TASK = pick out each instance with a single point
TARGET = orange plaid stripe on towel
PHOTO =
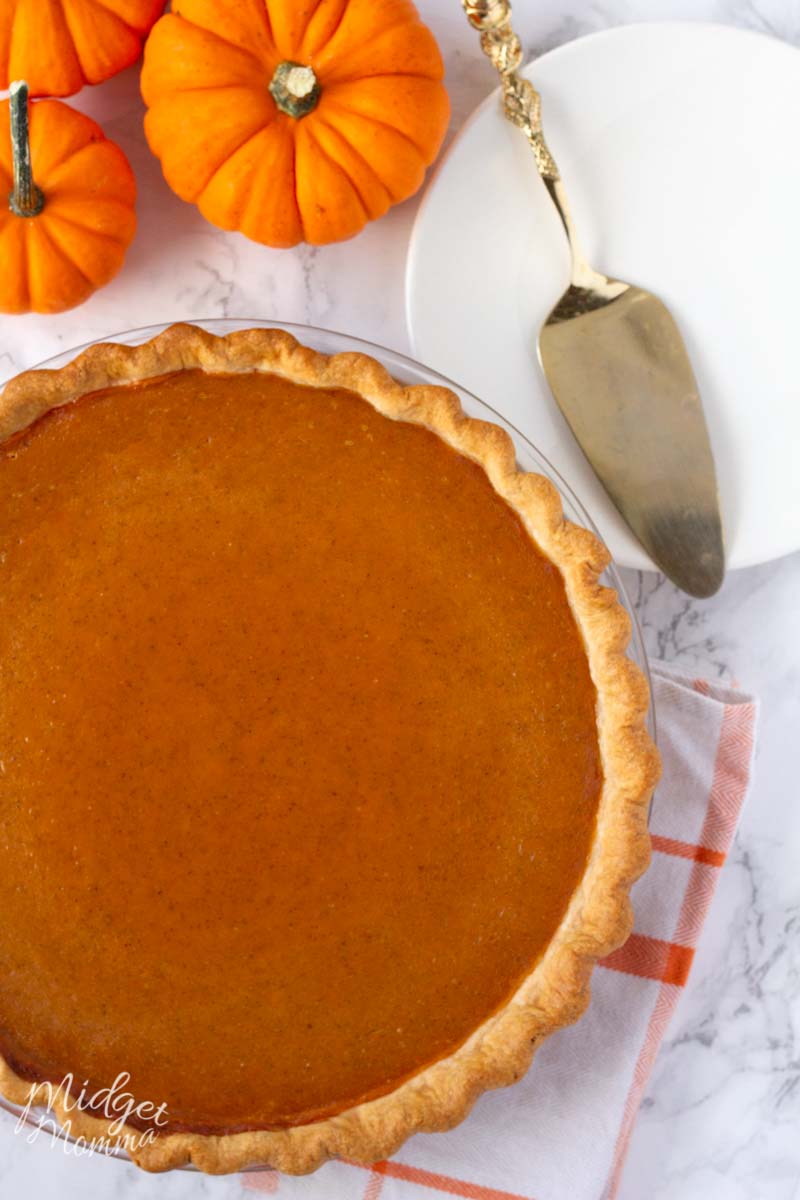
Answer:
(563, 1132)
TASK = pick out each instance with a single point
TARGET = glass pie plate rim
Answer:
(407, 370)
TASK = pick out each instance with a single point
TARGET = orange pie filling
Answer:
(298, 754)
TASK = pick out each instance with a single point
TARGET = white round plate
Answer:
(678, 147)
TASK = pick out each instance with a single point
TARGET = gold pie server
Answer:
(619, 371)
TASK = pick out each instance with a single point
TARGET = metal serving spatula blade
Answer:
(619, 371)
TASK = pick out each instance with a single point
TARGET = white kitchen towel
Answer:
(562, 1132)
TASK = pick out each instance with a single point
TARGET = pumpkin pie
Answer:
(323, 773)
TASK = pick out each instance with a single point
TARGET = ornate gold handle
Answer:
(521, 102)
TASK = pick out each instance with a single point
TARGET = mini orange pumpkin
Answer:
(60, 45)
(293, 121)
(64, 237)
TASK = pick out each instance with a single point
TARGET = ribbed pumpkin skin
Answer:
(57, 46)
(226, 146)
(77, 243)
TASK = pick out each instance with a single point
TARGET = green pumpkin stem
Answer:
(26, 200)
(295, 89)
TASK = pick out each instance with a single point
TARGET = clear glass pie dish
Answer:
(409, 372)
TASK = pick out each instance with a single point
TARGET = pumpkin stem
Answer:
(26, 200)
(295, 89)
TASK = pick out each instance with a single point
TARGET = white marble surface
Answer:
(722, 1112)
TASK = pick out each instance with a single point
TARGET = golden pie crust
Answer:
(598, 917)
